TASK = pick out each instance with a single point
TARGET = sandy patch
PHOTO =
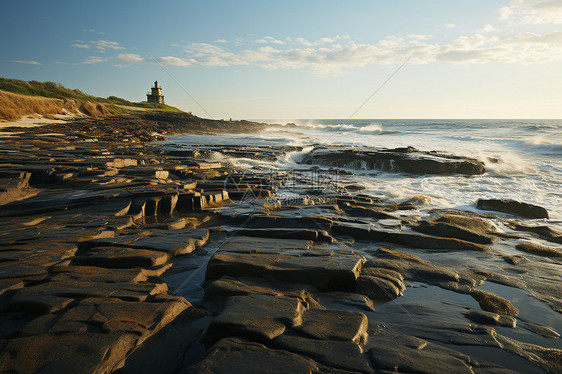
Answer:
(37, 120)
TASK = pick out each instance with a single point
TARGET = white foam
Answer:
(373, 127)
(507, 163)
(540, 144)
(522, 163)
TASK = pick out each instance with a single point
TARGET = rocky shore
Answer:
(122, 255)
(142, 125)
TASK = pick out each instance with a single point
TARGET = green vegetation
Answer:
(58, 91)
(46, 89)
(119, 101)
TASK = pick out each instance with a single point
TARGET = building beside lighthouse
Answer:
(155, 96)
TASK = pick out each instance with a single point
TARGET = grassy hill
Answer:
(56, 90)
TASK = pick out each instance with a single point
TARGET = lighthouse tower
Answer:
(156, 95)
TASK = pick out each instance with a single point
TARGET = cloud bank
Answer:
(536, 12)
(329, 55)
(339, 53)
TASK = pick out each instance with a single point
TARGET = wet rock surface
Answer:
(137, 257)
(405, 160)
(513, 207)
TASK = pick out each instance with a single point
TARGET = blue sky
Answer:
(299, 59)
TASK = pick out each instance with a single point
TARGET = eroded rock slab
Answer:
(255, 317)
(227, 286)
(34, 298)
(413, 268)
(121, 257)
(174, 244)
(335, 325)
(303, 234)
(343, 355)
(489, 318)
(464, 228)
(325, 272)
(238, 356)
(538, 250)
(93, 337)
(406, 354)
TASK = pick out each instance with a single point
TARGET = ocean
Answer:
(523, 157)
(523, 160)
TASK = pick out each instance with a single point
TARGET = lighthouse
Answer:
(155, 96)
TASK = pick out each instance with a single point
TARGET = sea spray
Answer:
(522, 158)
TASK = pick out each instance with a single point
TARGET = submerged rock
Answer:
(541, 330)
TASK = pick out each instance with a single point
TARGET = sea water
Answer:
(523, 157)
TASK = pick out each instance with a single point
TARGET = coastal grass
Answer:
(56, 90)
(45, 89)
(14, 106)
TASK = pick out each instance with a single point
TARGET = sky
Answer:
(298, 59)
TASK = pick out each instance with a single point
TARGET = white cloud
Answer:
(487, 28)
(81, 45)
(31, 62)
(102, 45)
(130, 58)
(268, 40)
(553, 39)
(533, 12)
(220, 41)
(525, 48)
(335, 57)
(95, 60)
(94, 31)
(325, 40)
(450, 25)
(303, 41)
(173, 61)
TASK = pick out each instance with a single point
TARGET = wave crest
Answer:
(540, 144)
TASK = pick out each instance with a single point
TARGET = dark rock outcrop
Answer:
(401, 160)
(513, 207)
